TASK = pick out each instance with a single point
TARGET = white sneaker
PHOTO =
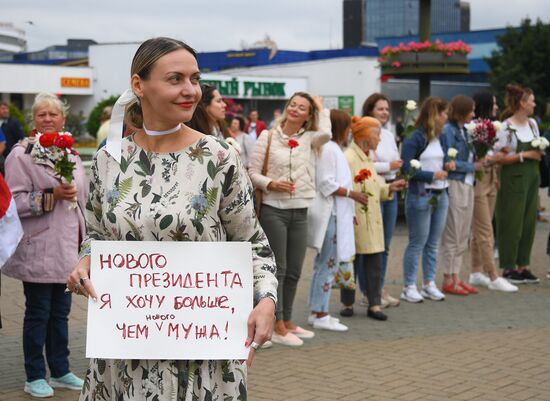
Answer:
(431, 291)
(479, 279)
(326, 323)
(311, 318)
(411, 294)
(501, 284)
(266, 345)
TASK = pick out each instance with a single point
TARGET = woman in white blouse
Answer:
(387, 163)
(516, 209)
(330, 226)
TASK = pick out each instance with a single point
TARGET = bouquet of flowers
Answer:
(362, 176)
(540, 143)
(56, 147)
(483, 136)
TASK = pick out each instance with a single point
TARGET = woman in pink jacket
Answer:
(48, 251)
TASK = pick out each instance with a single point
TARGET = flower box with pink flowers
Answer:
(416, 58)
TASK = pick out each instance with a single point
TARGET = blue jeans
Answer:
(389, 218)
(324, 269)
(46, 321)
(425, 227)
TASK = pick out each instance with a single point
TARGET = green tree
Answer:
(19, 116)
(95, 114)
(522, 58)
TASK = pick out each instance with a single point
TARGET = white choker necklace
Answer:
(160, 133)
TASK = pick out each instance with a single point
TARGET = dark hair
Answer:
(460, 107)
(143, 62)
(340, 123)
(429, 113)
(514, 95)
(4, 103)
(370, 103)
(484, 101)
(241, 122)
(313, 123)
(200, 120)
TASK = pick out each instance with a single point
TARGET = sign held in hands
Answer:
(170, 300)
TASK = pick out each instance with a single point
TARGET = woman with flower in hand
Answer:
(426, 202)
(48, 251)
(387, 163)
(330, 225)
(288, 185)
(156, 187)
(369, 231)
(454, 241)
(485, 196)
(516, 209)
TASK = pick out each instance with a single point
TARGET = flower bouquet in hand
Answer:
(483, 136)
(360, 178)
(540, 143)
(415, 166)
(56, 147)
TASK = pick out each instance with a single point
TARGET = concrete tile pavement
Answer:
(491, 346)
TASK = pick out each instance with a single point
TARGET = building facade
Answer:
(385, 18)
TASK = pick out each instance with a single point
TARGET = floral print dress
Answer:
(199, 194)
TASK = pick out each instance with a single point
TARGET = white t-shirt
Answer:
(525, 133)
(432, 159)
(385, 153)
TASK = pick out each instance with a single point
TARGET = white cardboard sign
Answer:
(170, 300)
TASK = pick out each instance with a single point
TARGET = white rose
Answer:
(497, 125)
(470, 127)
(544, 143)
(416, 164)
(452, 153)
(536, 143)
(411, 105)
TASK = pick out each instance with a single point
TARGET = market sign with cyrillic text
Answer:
(255, 87)
(170, 300)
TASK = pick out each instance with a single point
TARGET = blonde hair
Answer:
(312, 124)
(48, 99)
(428, 117)
(143, 62)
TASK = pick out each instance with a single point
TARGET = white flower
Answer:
(543, 143)
(232, 142)
(452, 153)
(411, 105)
(470, 127)
(535, 143)
(497, 125)
(416, 164)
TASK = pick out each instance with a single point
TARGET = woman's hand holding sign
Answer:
(260, 326)
(79, 280)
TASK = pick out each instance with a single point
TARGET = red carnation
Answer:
(64, 141)
(293, 143)
(48, 139)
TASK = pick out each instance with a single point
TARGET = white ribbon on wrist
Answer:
(114, 139)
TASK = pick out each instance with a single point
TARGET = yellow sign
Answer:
(68, 82)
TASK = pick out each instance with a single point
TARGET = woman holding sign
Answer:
(157, 187)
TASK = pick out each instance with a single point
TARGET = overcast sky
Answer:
(218, 25)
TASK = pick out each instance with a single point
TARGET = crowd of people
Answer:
(314, 178)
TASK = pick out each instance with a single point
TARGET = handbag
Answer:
(259, 193)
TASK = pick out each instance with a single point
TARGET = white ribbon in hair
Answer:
(114, 139)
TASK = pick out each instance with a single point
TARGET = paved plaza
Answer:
(488, 347)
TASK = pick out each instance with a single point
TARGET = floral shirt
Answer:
(201, 193)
